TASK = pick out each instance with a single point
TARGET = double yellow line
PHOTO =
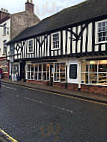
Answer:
(7, 136)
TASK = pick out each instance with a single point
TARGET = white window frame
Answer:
(4, 47)
(97, 73)
(59, 72)
(101, 32)
(52, 47)
(32, 46)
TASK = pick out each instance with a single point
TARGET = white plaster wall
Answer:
(72, 61)
(4, 37)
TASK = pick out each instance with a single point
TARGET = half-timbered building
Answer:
(68, 49)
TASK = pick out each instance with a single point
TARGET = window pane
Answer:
(32, 75)
(44, 67)
(28, 69)
(93, 68)
(56, 76)
(84, 78)
(32, 68)
(62, 77)
(28, 75)
(40, 76)
(93, 78)
(36, 68)
(102, 68)
(44, 76)
(35, 76)
(102, 77)
(40, 67)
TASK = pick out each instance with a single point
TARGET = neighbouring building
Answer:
(67, 50)
(10, 26)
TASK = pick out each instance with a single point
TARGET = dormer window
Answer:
(102, 31)
(56, 41)
(30, 46)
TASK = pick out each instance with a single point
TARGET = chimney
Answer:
(3, 13)
(29, 6)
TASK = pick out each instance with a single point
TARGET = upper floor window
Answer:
(5, 47)
(102, 31)
(55, 40)
(30, 44)
(4, 29)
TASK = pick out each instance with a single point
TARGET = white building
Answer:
(10, 26)
(4, 38)
(68, 49)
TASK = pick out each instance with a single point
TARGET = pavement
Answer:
(77, 94)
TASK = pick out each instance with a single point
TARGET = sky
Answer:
(43, 8)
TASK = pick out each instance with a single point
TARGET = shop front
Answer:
(46, 73)
(94, 76)
(4, 67)
(63, 73)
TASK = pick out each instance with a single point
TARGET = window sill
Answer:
(30, 52)
(102, 42)
(55, 49)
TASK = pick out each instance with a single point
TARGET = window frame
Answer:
(32, 46)
(101, 31)
(4, 47)
(53, 42)
(95, 73)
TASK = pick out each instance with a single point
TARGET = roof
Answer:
(69, 16)
(4, 19)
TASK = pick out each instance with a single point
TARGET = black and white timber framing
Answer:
(75, 40)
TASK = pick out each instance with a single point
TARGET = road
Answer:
(30, 115)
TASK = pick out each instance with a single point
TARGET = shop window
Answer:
(96, 74)
(102, 31)
(56, 41)
(60, 72)
(32, 72)
(36, 72)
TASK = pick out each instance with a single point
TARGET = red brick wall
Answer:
(38, 82)
(101, 90)
(70, 86)
(73, 86)
(59, 85)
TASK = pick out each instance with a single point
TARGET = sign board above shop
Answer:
(73, 71)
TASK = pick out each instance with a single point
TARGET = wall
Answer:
(87, 43)
(4, 37)
(98, 90)
(22, 20)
